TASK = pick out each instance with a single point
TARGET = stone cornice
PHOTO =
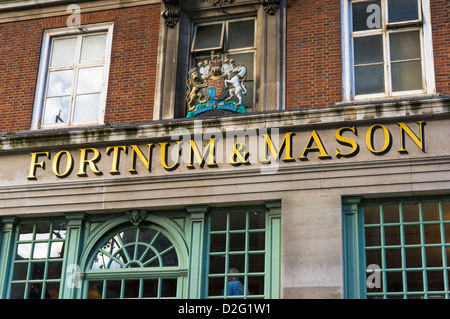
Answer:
(402, 110)
(11, 11)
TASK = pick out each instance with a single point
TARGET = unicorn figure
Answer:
(237, 81)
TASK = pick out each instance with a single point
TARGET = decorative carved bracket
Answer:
(171, 13)
(219, 2)
(136, 216)
(172, 9)
(270, 6)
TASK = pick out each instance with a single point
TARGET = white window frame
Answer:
(41, 85)
(428, 78)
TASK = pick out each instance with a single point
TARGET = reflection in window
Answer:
(147, 253)
(38, 262)
(75, 80)
(409, 242)
(387, 47)
(237, 254)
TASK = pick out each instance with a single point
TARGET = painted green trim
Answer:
(8, 225)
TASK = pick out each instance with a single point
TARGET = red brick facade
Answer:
(132, 73)
(314, 62)
(440, 21)
(313, 46)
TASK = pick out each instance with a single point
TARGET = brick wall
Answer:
(132, 73)
(314, 70)
(440, 21)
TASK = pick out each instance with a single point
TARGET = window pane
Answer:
(256, 262)
(208, 37)
(430, 211)
(368, 49)
(393, 258)
(17, 291)
(432, 234)
(394, 281)
(54, 270)
(405, 45)
(216, 265)
(215, 286)
(410, 212)
(131, 289)
(59, 230)
(219, 222)
(366, 15)
(93, 48)
(237, 242)
(256, 220)
(402, 10)
(373, 236)
(64, 52)
(218, 242)
(150, 289)
(42, 231)
(170, 258)
(256, 241)
(40, 251)
(414, 281)
(35, 291)
(60, 83)
(241, 34)
(57, 110)
(392, 235)
(113, 289)
(26, 232)
(246, 59)
(412, 234)
(238, 220)
(435, 280)
(86, 108)
(434, 256)
(371, 215)
(52, 290)
(168, 287)
(256, 285)
(90, 80)
(373, 257)
(237, 262)
(37, 270)
(23, 251)
(407, 76)
(369, 79)
(162, 243)
(391, 214)
(95, 290)
(20, 271)
(413, 257)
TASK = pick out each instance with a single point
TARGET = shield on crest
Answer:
(216, 88)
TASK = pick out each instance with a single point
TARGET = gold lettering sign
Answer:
(377, 140)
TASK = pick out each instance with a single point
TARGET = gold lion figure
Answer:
(194, 91)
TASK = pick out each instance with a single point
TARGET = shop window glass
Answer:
(237, 255)
(149, 255)
(37, 268)
(405, 249)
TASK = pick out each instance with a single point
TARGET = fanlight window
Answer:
(138, 247)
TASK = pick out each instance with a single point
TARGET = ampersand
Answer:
(239, 154)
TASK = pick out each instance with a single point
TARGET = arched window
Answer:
(134, 262)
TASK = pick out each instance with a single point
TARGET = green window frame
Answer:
(139, 262)
(66, 254)
(397, 248)
(38, 260)
(244, 246)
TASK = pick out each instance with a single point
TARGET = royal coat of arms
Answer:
(216, 84)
